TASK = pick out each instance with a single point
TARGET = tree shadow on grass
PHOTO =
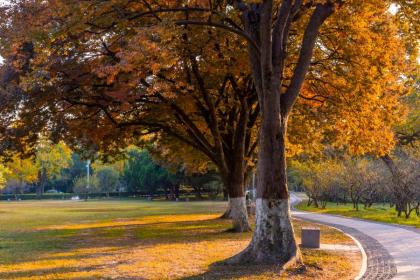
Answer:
(222, 271)
(52, 272)
(136, 251)
(79, 251)
(43, 244)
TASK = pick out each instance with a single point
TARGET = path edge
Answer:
(363, 267)
(364, 256)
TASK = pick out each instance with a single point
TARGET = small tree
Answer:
(362, 181)
(22, 172)
(80, 185)
(320, 180)
(50, 160)
(3, 171)
(404, 186)
(77, 168)
(108, 179)
(142, 174)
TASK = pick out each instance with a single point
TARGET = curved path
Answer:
(393, 252)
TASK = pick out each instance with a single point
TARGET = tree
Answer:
(144, 175)
(3, 172)
(320, 179)
(22, 171)
(107, 179)
(199, 182)
(402, 162)
(403, 185)
(282, 40)
(80, 185)
(77, 168)
(51, 160)
(189, 117)
(361, 179)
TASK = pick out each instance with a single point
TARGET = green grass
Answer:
(378, 212)
(138, 240)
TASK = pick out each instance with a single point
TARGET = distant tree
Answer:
(51, 160)
(214, 188)
(64, 181)
(203, 182)
(22, 172)
(142, 174)
(3, 172)
(320, 180)
(80, 186)
(108, 179)
(404, 186)
(362, 180)
(403, 163)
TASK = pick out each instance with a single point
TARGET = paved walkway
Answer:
(393, 252)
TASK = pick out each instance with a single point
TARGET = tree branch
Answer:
(222, 26)
(321, 13)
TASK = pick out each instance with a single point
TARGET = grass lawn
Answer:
(378, 212)
(141, 240)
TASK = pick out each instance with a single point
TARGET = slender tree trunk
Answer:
(167, 192)
(42, 178)
(309, 201)
(177, 191)
(38, 186)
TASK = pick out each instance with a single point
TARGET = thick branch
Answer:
(279, 33)
(222, 26)
(321, 13)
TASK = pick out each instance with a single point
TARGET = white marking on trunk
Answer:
(239, 214)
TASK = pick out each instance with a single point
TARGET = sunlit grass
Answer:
(378, 212)
(140, 240)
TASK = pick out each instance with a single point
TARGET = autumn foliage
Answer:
(226, 84)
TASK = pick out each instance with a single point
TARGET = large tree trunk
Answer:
(273, 240)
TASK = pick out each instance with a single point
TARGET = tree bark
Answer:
(42, 177)
(239, 214)
(273, 241)
(237, 202)
(235, 172)
(227, 213)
